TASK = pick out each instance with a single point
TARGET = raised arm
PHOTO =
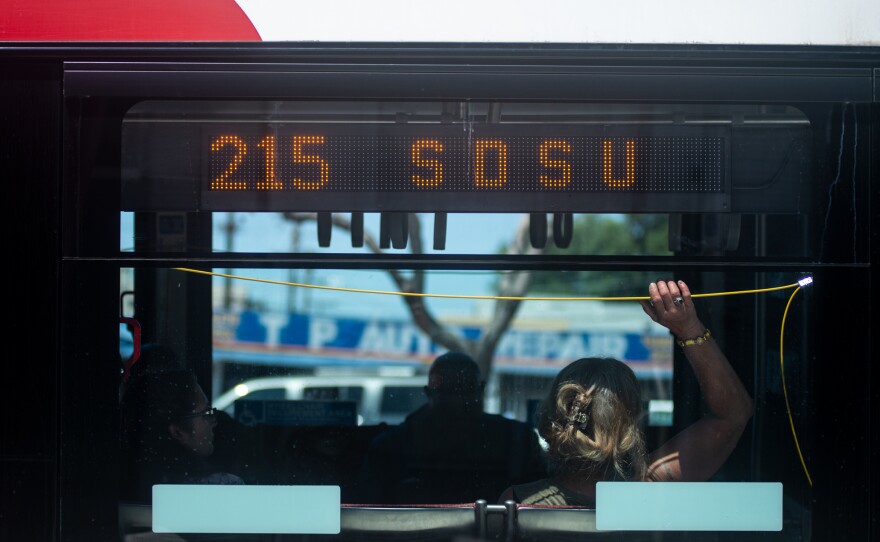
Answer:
(698, 452)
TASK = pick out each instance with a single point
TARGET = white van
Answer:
(379, 398)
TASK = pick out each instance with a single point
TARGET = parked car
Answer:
(379, 398)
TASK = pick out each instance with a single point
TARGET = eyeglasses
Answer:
(207, 412)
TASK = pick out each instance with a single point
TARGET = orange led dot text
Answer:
(608, 175)
(269, 181)
(300, 158)
(562, 168)
(482, 146)
(222, 182)
(434, 164)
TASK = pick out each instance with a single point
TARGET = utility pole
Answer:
(229, 229)
(293, 274)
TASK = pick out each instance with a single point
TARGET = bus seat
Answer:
(426, 523)
(415, 523)
(538, 523)
(544, 523)
(136, 525)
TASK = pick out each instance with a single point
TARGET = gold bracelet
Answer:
(704, 338)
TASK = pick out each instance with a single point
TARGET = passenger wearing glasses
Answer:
(168, 433)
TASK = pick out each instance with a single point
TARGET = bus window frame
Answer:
(87, 276)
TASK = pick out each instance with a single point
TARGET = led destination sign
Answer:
(425, 167)
(310, 159)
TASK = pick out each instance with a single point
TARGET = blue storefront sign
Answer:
(402, 340)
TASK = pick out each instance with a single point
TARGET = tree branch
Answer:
(513, 284)
(422, 317)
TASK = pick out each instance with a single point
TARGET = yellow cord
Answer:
(796, 286)
(785, 388)
(461, 296)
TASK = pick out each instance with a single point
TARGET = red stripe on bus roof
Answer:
(132, 20)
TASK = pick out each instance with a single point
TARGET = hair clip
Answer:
(579, 418)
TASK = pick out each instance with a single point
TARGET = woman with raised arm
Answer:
(591, 419)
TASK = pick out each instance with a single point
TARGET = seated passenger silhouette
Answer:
(449, 450)
(167, 433)
(591, 418)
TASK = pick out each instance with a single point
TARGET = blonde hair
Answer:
(590, 421)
